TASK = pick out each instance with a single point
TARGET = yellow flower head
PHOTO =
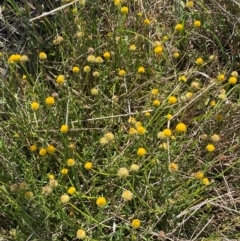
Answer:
(181, 127)
(210, 148)
(215, 138)
(167, 132)
(50, 149)
(109, 136)
(146, 21)
(60, 79)
(179, 27)
(141, 151)
(127, 195)
(141, 130)
(123, 172)
(169, 116)
(141, 70)
(122, 72)
(136, 223)
(88, 166)
(232, 80)
(71, 190)
(81, 234)
(33, 148)
(86, 69)
(64, 171)
(35, 105)
(50, 176)
(199, 61)
(189, 4)
(132, 131)
(134, 168)
(43, 152)
(49, 101)
(75, 69)
(132, 47)
(176, 55)
(101, 201)
(94, 91)
(107, 55)
(199, 175)
(28, 195)
(99, 60)
(172, 167)
(64, 129)
(182, 78)
(24, 58)
(205, 181)
(42, 56)
(156, 103)
(131, 120)
(158, 50)
(124, 10)
(70, 162)
(64, 198)
(172, 100)
(154, 91)
(221, 77)
(14, 58)
(197, 24)
(103, 141)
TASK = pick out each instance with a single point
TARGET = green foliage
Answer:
(112, 76)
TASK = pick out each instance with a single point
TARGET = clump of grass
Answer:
(119, 121)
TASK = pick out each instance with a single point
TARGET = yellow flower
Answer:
(176, 55)
(234, 74)
(50, 149)
(71, 190)
(210, 148)
(131, 120)
(154, 91)
(146, 21)
(167, 132)
(182, 78)
(42, 152)
(24, 58)
(141, 70)
(64, 129)
(75, 69)
(51, 176)
(64, 171)
(213, 103)
(28, 195)
(64, 198)
(199, 175)
(101, 201)
(134, 168)
(123, 172)
(221, 77)
(172, 167)
(71, 146)
(169, 116)
(91, 58)
(88, 166)
(189, 4)
(215, 138)
(58, 39)
(33, 148)
(60, 79)
(132, 47)
(205, 181)
(232, 80)
(86, 69)
(136, 223)
(189, 95)
(103, 141)
(124, 10)
(50, 101)
(35, 105)
(181, 127)
(197, 24)
(147, 114)
(172, 100)
(158, 50)
(132, 131)
(53, 183)
(199, 61)
(70, 162)
(127, 195)
(109, 136)
(163, 146)
(42, 56)
(99, 60)
(141, 130)
(14, 58)
(156, 103)
(141, 151)
(96, 74)
(179, 27)
(94, 91)
(117, 2)
(107, 55)
(160, 135)
(81, 234)
(122, 72)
